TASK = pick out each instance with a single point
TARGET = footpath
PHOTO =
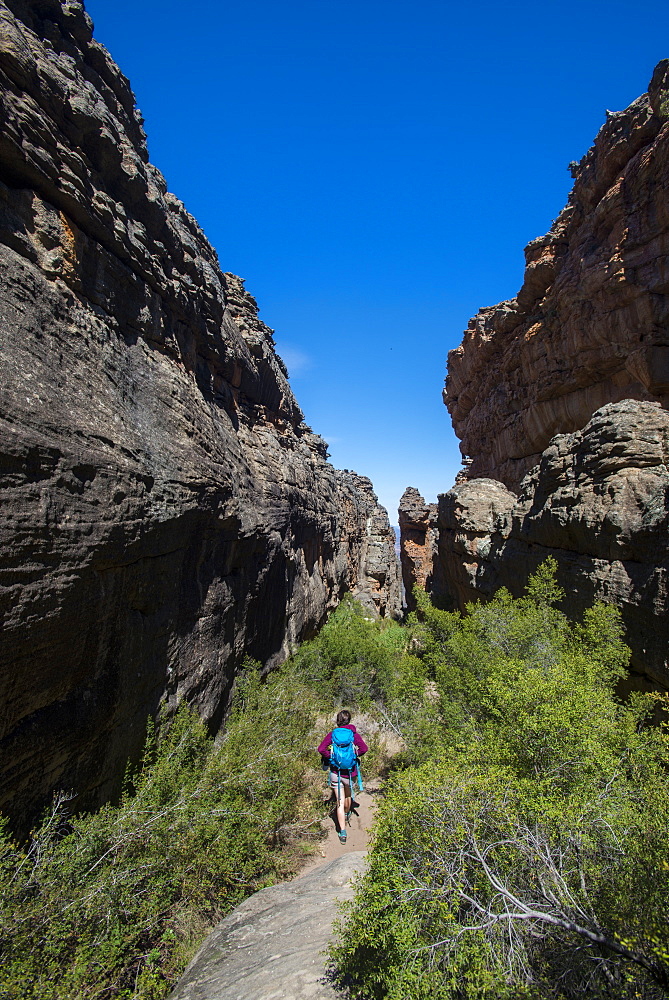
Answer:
(271, 947)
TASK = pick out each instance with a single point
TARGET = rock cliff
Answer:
(590, 325)
(166, 510)
(559, 397)
(369, 541)
(598, 502)
(418, 543)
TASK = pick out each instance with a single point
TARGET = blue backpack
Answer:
(342, 755)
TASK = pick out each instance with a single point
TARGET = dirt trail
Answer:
(357, 834)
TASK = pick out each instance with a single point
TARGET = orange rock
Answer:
(590, 324)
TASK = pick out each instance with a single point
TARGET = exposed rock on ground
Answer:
(599, 503)
(590, 325)
(166, 510)
(271, 946)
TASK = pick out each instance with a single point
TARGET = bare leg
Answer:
(343, 804)
(341, 813)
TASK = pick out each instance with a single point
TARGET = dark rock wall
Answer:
(165, 508)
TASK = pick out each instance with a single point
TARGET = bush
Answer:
(363, 663)
(524, 851)
(113, 904)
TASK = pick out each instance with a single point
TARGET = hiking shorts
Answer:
(340, 780)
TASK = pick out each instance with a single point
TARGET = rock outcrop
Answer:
(559, 397)
(590, 325)
(599, 503)
(166, 510)
(418, 543)
(369, 541)
(273, 944)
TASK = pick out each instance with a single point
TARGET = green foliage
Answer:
(112, 904)
(358, 654)
(361, 662)
(523, 853)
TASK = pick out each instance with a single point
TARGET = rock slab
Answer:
(271, 946)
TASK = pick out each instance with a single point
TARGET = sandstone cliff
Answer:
(599, 503)
(590, 325)
(559, 399)
(418, 543)
(369, 542)
(165, 508)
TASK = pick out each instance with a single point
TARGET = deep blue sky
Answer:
(373, 169)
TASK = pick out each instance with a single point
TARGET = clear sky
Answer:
(373, 169)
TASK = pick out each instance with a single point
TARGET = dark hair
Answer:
(343, 717)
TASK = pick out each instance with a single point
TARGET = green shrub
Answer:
(524, 851)
(364, 664)
(112, 904)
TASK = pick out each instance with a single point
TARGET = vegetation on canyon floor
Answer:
(520, 849)
(114, 904)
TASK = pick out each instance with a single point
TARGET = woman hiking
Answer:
(338, 745)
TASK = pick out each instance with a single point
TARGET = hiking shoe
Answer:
(342, 836)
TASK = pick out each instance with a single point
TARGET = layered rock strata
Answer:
(369, 542)
(166, 510)
(559, 397)
(590, 325)
(418, 543)
(598, 501)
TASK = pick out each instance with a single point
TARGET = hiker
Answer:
(340, 751)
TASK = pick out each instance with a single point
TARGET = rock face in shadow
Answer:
(272, 945)
(370, 543)
(590, 325)
(166, 510)
(599, 503)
